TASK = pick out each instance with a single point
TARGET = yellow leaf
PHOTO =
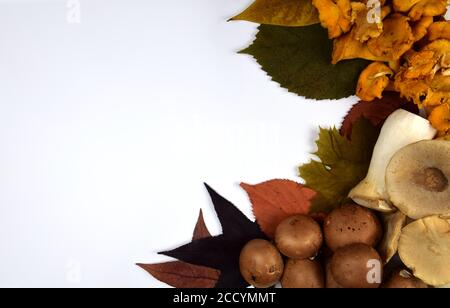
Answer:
(292, 13)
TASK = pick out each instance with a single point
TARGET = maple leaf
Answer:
(222, 252)
(292, 13)
(275, 200)
(376, 111)
(342, 164)
(180, 274)
(299, 59)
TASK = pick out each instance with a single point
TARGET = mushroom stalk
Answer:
(400, 129)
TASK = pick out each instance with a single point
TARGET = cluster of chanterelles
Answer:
(409, 42)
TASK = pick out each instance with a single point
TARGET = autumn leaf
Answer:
(299, 59)
(376, 111)
(222, 252)
(184, 275)
(292, 13)
(276, 200)
(200, 230)
(342, 164)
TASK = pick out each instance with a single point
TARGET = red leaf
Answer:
(275, 200)
(183, 275)
(376, 111)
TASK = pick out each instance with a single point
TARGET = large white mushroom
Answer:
(417, 179)
(400, 129)
(424, 247)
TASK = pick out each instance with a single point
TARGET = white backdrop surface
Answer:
(109, 127)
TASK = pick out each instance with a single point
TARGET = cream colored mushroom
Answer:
(417, 179)
(424, 247)
(393, 225)
(400, 129)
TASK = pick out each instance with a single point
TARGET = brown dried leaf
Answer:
(183, 275)
(200, 230)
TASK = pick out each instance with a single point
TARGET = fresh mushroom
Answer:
(424, 248)
(393, 224)
(400, 129)
(417, 179)
(373, 80)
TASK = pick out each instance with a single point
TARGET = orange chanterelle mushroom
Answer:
(408, 43)
(334, 15)
(373, 80)
(440, 119)
(416, 9)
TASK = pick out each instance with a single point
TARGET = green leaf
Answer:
(292, 13)
(299, 59)
(342, 165)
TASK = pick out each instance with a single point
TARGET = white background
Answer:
(108, 128)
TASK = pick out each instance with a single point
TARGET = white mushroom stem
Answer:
(400, 129)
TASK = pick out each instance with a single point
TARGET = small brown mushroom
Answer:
(303, 274)
(330, 282)
(373, 81)
(261, 264)
(417, 179)
(424, 248)
(299, 237)
(357, 266)
(351, 224)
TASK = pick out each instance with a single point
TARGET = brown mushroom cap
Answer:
(417, 179)
(303, 274)
(351, 266)
(261, 264)
(299, 237)
(330, 282)
(351, 224)
(424, 247)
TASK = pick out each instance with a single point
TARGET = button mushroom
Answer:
(400, 129)
(417, 179)
(373, 80)
(424, 248)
